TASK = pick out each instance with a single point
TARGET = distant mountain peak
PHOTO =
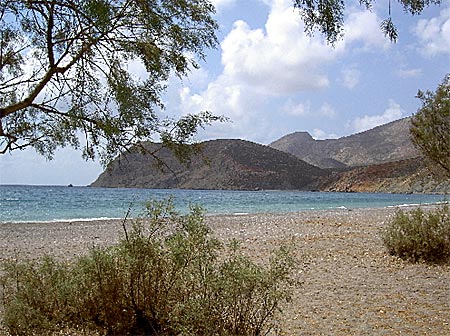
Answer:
(300, 135)
(385, 143)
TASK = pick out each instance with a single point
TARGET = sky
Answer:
(271, 79)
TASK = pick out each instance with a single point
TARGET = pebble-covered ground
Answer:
(349, 285)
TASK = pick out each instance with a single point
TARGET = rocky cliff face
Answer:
(222, 164)
(404, 176)
(382, 144)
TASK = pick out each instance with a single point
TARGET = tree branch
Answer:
(50, 25)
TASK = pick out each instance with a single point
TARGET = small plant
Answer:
(419, 235)
(165, 277)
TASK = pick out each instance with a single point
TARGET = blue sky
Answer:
(271, 79)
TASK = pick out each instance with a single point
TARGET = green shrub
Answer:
(36, 294)
(419, 235)
(165, 277)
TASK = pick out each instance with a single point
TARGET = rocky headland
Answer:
(379, 160)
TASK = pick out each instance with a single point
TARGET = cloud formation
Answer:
(350, 77)
(393, 112)
(269, 71)
(319, 134)
(409, 73)
(363, 26)
(279, 59)
(434, 33)
(259, 65)
(304, 109)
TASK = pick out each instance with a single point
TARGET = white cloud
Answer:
(137, 69)
(220, 97)
(434, 33)
(240, 103)
(350, 77)
(326, 110)
(393, 112)
(296, 109)
(304, 110)
(282, 59)
(261, 65)
(364, 26)
(319, 134)
(279, 59)
(258, 65)
(409, 73)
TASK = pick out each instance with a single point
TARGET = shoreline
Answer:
(68, 238)
(350, 285)
(207, 215)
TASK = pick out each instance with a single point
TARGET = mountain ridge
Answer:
(384, 143)
(222, 164)
(379, 160)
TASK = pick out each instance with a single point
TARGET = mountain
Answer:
(379, 160)
(386, 143)
(222, 164)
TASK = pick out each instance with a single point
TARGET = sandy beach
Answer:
(349, 284)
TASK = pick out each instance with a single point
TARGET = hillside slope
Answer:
(404, 176)
(379, 160)
(386, 143)
(222, 164)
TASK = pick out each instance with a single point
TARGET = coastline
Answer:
(349, 284)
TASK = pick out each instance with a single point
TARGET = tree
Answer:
(65, 72)
(327, 16)
(430, 130)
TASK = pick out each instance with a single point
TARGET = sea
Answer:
(23, 203)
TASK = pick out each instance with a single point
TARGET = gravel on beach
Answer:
(349, 284)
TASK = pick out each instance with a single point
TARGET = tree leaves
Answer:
(327, 16)
(64, 68)
(430, 130)
(389, 30)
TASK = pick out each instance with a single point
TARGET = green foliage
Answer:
(389, 29)
(419, 235)
(430, 130)
(65, 71)
(327, 16)
(41, 294)
(167, 276)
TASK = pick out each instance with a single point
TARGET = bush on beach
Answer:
(165, 277)
(419, 235)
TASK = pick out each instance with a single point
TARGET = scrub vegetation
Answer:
(419, 235)
(165, 277)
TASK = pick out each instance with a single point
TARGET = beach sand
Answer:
(349, 285)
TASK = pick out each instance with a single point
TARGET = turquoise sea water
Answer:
(52, 203)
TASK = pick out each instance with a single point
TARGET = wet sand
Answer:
(349, 285)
